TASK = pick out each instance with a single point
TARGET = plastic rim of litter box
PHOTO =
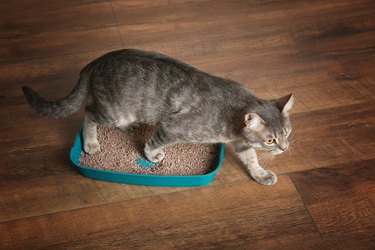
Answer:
(142, 179)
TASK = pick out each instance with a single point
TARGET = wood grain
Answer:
(177, 219)
(340, 198)
(322, 51)
(53, 77)
(42, 29)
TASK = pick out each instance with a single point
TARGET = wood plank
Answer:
(42, 17)
(289, 12)
(60, 43)
(52, 77)
(45, 133)
(254, 29)
(33, 164)
(63, 28)
(340, 198)
(49, 187)
(349, 241)
(176, 219)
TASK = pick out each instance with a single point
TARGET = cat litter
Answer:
(121, 159)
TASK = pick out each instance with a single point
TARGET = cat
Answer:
(131, 86)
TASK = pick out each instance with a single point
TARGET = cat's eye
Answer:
(270, 141)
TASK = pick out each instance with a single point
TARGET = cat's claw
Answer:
(91, 147)
(268, 178)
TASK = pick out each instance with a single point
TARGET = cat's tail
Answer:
(58, 108)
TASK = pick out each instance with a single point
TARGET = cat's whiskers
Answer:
(292, 137)
(292, 141)
(262, 155)
(292, 134)
(266, 157)
(269, 160)
(297, 139)
(290, 148)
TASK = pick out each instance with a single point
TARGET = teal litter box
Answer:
(142, 179)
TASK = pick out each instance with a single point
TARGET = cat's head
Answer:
(267, 126)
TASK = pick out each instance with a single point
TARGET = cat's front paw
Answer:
(91, 147)
(155, 156)
(267, 178)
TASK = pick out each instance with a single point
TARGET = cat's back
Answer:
(119, 59)
(133, 71)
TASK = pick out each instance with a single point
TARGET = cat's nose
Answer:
(284, 148)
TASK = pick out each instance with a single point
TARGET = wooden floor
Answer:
(323, 51)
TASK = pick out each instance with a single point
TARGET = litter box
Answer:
(143, 179)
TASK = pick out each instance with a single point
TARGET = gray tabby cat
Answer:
(187, 105)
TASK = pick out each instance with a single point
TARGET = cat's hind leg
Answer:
(129, 128)
(90, 140)
(126, 123)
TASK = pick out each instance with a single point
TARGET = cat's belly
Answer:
(124, 120)
(194, 136)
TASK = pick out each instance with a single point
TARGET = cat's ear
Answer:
(253, 121)
(285, 103)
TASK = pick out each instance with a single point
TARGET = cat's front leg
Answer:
(154, 146)
(249, 157)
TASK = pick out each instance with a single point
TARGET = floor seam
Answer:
(305, 206)
(117, 24)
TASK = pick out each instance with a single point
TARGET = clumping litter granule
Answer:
(123, 152)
